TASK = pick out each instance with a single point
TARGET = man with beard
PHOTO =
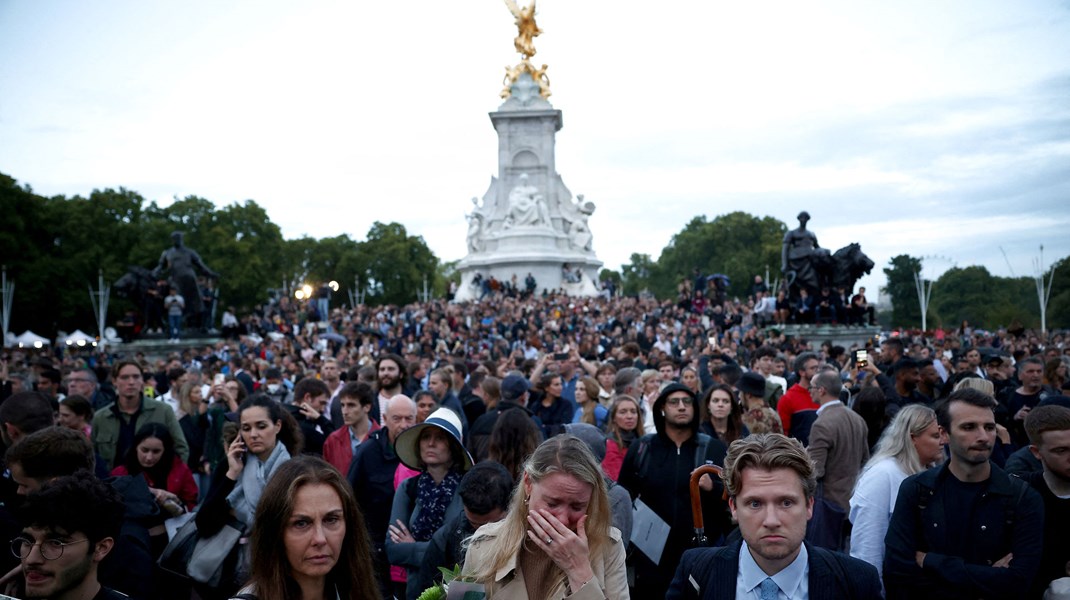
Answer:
(929, 380)
(657, 469)
(966, 529)
(903, 390)
(71, 525)
(770, 483)
(390, 373)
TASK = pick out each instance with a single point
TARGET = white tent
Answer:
(29, 339)
(80, 338)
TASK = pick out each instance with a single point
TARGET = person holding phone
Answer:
(268, 436)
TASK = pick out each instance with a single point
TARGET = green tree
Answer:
(737, 244)
(393, 264)
(637, 273)
(903, 292)
(975, 295)
(1059, 300)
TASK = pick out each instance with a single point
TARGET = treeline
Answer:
(974, 295)
(54, 247)
(741, 246)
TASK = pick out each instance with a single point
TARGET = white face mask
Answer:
(273, 387)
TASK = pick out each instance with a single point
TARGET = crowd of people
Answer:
(545, 445)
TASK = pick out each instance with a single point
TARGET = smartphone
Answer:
(948, 354)
(219, 379)
(560, 355)
(861, 358)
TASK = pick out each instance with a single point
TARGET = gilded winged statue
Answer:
(527, 30)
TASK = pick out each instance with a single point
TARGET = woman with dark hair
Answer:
(589, 409)
(553, 411)
(268, 436)
(75, 412)
(224, 398)
(1055, 374)
(625, 425)
(557, 540)
(514, 437)
(422, 504)
(310, 542)
(870, 404)
(722, 415)
(152, 455)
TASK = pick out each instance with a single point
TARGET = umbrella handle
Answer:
(696, 502)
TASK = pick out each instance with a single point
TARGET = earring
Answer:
(663, 413)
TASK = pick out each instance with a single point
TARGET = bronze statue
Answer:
(183, 263)
(796, 257)
(527, 30)
(806, 265)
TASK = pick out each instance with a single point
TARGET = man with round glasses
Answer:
(657, 470)
(71, 525)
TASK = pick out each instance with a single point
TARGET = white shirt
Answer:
(793, 580)
(170, 400)
(871, 509)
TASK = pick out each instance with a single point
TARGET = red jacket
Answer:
(611, 464)
(795, 399)
(179, 482)
(338, 451)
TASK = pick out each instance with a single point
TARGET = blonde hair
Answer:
(565, 454)
(976, 383)
(184, 402)
(897, 441)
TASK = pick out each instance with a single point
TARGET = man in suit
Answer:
(839, 448)
(770, 483)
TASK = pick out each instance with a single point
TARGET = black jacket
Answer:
(710, 573)
(665, 488)
(1008, 518)
(372, 476)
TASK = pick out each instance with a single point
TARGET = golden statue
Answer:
(527, 30)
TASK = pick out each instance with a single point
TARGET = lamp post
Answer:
(99, 298)
(1043, 289)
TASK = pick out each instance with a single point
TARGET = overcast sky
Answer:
(930, 128)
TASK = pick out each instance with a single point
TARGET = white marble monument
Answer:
(528, 221)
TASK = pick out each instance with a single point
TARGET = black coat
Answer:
(666, 490)
(710, 573)
(372, 476)
(958, 562)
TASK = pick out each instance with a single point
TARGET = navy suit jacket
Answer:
(833, 576)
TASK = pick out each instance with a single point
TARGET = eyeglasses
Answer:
(50, 549)
(687, 401)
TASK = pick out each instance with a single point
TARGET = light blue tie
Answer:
(769, 589)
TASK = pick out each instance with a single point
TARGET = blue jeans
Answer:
(174, 323)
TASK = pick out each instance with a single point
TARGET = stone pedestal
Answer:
(528, 221)
(838, 335)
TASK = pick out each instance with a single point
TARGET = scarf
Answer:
(246, 493)
(626, 438)
(433, 500)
